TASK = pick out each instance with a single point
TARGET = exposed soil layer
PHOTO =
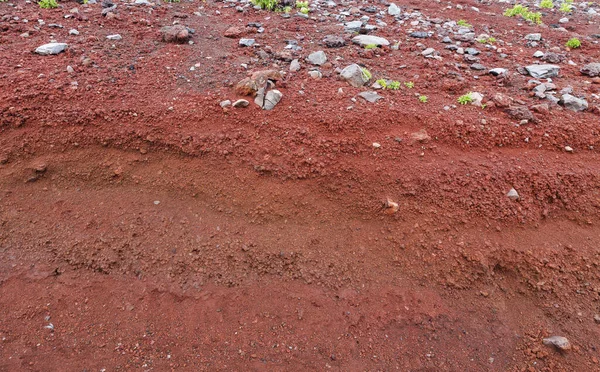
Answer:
(144, 227)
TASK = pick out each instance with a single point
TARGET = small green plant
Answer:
(409, 84)
(463, 23)
(533, 17)
(301, 4)
(304, 10)
(382, 83)
(489, 40)
(516, 10)
(287, 9)
(370, 46)
(573, 43)
(48, 4)
(566, 6)
(546, 4)
(423, 99)
(266, 4)
(465, 98)
(394, 85)
(366, 73)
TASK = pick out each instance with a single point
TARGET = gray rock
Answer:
(591, 69)
(513, 194)
(73, 32)
(559, 342)
(332, 41)
(419, 34)
(370, 96)
(247, 42)
(115, 37)
(315, 74)
(478, 67)
(538, 54)
(394, 10)
(446, 40)
(317, 58)
(498, 71)
(543, 71)
(295, 66)
(573, 103)
(51, 48)
(353, 26)
(553, 57)
(268, 101)
(225, 103)
(428, 51)
(364, 40)
(354, 75)
(472, 51)
(241, 103)
(533, 37)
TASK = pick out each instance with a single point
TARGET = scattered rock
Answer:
(295, 66)
(573, 103)
(513, 194)
(115, 37)
(597, 318)
(317, 58)
(420, 136)
(498, 71)
(51, 49)
(559, 342)
(552, 57)
(250, 85)
(428, 52)
(247, 42)
(543, 71)
(268, 101)
(390, 206)
(364, 40)
(419, 34)
(591, 69)
(520, 113)
(241, 103)
(502, 100)
(332, 41)
(225, 103)
(315, 74)
(394, 10)
(355, 76)
(533, 37)
(370, 96)
(175, 34)
(234, 32)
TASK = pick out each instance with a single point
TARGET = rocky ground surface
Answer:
(333, 185)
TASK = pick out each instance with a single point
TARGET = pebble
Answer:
(364, 40)
(317, 58)
(241, 103)
(51, 49)
(370, 96)
(225, 103)
(513, 194)
(73, 32)
(354, 75)
(295, 66)
(543, 71)
(376, 145)
(247, 42)
(115, 37)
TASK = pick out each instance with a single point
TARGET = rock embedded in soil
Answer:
(247, 42)
(513, 194)
(364, 40)
(370, 96)
(317, 58)
(234, 32)
(591, 69)
(394, 10)
(354, 75)
(241, 103)
(520, 113)
(268, 101)
(419, 34)
(175, 34)
(51, 49)
(561, 343)
(295, 65)
(115, 37)
(543, 71)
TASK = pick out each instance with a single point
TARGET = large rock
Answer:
(175, 34)
(573, 103)
(591, 69)
(317, 58)
(51, 48)
(355, 76)
(250, 85)
(364, 40)
(543, 71)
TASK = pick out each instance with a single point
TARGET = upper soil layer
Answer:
(143, 226)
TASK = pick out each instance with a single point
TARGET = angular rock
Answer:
(552, 57)
(355, 76)
(543, 71)
(498, 71)
(241, 103)
(317, 58)
(51, 49)
(295, 66)
(247, 42)
(250, 85)
(332, 41)
(268, 101)
(419, 34)
(512, 194)
(175, 34)
(573, 103)
(502, 100)
(353, 26)
(591, 69)
(394, 10)
(533, 37)
(520, 113)
(370, 96)
(561, 343)
(364, 40)
(115, 37)
(234, 32)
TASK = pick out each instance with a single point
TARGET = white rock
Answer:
(558, 341)
(512, 194)
(364, 40)
(51, 48)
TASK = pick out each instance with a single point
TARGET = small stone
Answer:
(225, 103)
(394, 10)
(420, 136)
(175, 34)
(543, 71)
(559, 342)
(427, 52)
(364, 40)
(247, 42)
(370, 96)
(419, 34)
(533, 37)
(568, 149)
(241, 103)
(315, 74)
(268, 101)
(51, 49)
(597, 318)
(332, 41)
(295, 66)
(376, 145)
(573, 103)
(234, 32)
(354, 75)
(538, 54)
(73, 32)
(513, 194)
(498, 71)
(70, 69)
(591, 69)
(317, 58)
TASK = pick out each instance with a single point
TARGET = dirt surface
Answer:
(144, 227)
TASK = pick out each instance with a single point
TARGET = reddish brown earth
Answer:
(143, 227)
